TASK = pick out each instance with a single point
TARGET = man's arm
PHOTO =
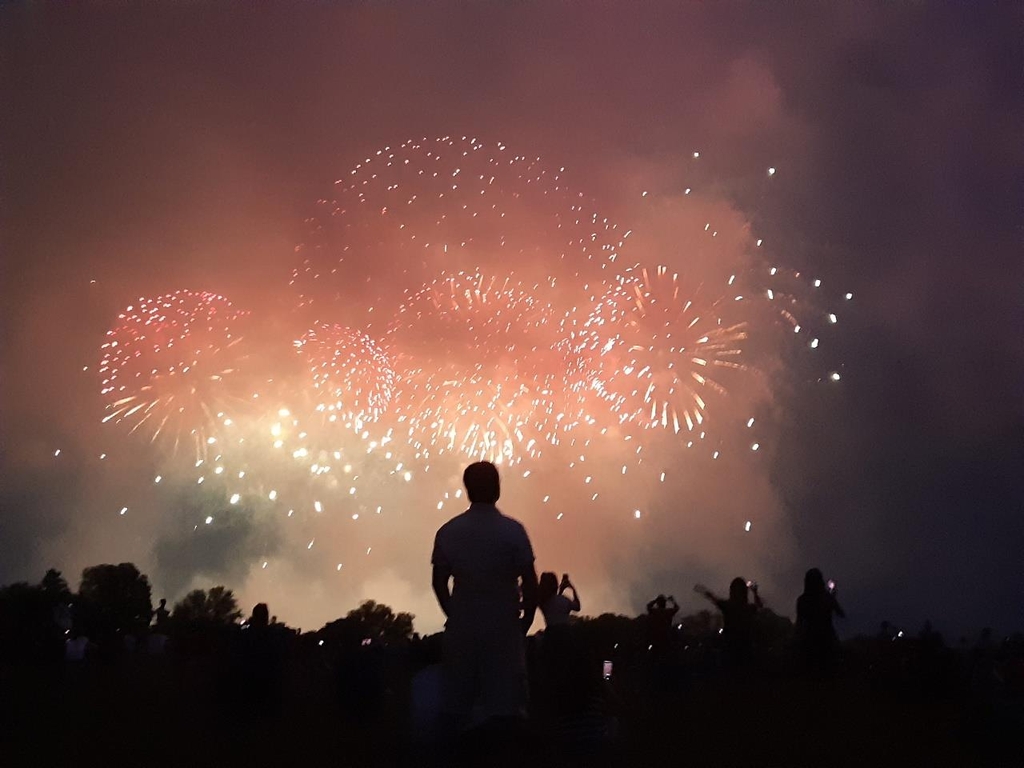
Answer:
(529, 582)
(575, 606)
(440, 579)
(837, 608)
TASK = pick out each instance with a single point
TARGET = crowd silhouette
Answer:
(580, 690)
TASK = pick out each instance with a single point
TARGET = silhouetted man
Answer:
(488, 556)
(659, 621)
(161, 615)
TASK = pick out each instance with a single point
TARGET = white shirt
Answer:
(485, 551)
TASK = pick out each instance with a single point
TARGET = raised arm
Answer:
(575, 606)
(837, 608)
(706, 593)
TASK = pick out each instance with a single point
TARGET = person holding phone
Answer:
(814, 611)
(738, 615)
(552, 600)
(660, 612)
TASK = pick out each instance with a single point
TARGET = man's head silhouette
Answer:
(482, 483)
(260, 616)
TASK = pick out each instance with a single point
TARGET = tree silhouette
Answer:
(199, 607)
(370, 621)
(376, 621)
(55, 586)
(113, 599)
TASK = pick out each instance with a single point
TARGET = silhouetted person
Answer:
(738, 615)
(260, 618)
(488, 556)
(985, 677)
(558, 651)
(259, 660)
(814, 611)
(157, 640)
(659, 617)
(552, 600)
(160, 617)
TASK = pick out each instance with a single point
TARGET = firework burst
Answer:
(169, 367)
(405, 213)
(480, 368)
(352, 376)
(463, 303)
(661, 350)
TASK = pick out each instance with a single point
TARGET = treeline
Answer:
(112, 612)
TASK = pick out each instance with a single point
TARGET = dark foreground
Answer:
(187, 711)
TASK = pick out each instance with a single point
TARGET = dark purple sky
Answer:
(156, 148)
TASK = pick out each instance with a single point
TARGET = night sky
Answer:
(152, 149)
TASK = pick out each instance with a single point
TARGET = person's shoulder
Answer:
(511, 524)
(448, 530)
(453, 524)
(515, 530)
